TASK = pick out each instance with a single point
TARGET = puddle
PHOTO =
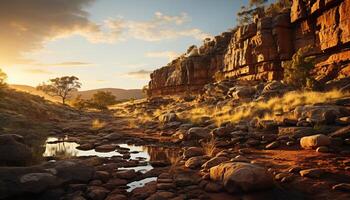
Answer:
(63, 148)
(140, 183)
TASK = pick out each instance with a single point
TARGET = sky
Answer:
(106, 43)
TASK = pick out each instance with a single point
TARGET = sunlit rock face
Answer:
(259, 50)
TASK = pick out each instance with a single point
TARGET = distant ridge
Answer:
(121, 94)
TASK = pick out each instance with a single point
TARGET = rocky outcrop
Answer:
(259, 50)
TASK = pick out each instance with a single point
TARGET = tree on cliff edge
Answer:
(61, 87)
(245, 15)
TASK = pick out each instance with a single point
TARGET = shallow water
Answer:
(140, 183)
(62, 148)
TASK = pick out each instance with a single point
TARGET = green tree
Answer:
(297, 72)
(101, 100)
(79, 103)
(278, 7)
(246, 13)
(61, 87)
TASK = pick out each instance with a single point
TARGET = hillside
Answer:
(121, 94)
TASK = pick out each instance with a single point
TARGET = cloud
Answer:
(163, 54)
(27, 25)
(38, 71)
(141, 74)
(161, 27)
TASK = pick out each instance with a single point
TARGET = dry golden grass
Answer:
(209, 147)
(97, 124)
(263, 109)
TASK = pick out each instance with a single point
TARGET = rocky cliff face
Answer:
(259, 50)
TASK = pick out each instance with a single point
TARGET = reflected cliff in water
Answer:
(62, 148)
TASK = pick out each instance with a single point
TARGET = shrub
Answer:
(3, 78)
(297, 71)
(101, 100)
(79, 103)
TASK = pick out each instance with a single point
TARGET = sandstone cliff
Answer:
(259, 50)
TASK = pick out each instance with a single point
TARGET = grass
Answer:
(263, 109)
(209, 147)
(97, 124)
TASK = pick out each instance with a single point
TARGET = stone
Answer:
(126, 174)
(322, 149)
(192, 151)
(221, 132)
(13, 151)
(342, 133)
(238, 176)
(97, 192)
(195, 162)
(318, 114)
(214, 161)
(38, 182)
(342, 187)
(198, 133)
(312, 173)
(161, 195)
(273, 145)
(116, 197)
(314, 141)
(86, 147)
(113, 136)
(295, 131)
(213, 187)
(106, 148)
(343, 120)
(102, 175)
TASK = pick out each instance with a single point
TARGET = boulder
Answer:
(314, 141)
(193, 151)
(319, 114)
(239, 176)
(198, 133)
(214, 161)
(195, 162)
(13, 151)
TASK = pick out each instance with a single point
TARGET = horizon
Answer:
(105, 44)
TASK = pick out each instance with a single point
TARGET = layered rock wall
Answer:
(259, 50)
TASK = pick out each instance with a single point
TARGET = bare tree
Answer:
(61, 87)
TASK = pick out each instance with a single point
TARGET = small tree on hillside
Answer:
(78, 102)
(297, 72)
(101, 100)
(3, 77)
(61, 87)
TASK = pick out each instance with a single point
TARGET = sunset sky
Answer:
(106, 43)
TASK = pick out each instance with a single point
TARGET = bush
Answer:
(297, 72)
(101, 100)
(3, 78)
(79, 103)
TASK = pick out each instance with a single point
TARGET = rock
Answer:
(168, 117)
(343, 120)
(13, 151)
(86, 147)
(97, 193)
(342, 187)
(214, 161)
(282, 175)
(273, 145)
(296, 131)
(73, 171)
(221, 132)
(322, 149)
(106, 148)
(126, 174)
(318, 114)
(116, 197)
(195, 162)
(238, 176)
(102, 175)
(312, 173)
(161, 195)
(343, 132)
(193, 151)
(213, 187)
(314, 141)
(113, 136)
(38, 182)
(198, 133)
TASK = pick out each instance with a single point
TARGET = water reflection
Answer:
(62, 148)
